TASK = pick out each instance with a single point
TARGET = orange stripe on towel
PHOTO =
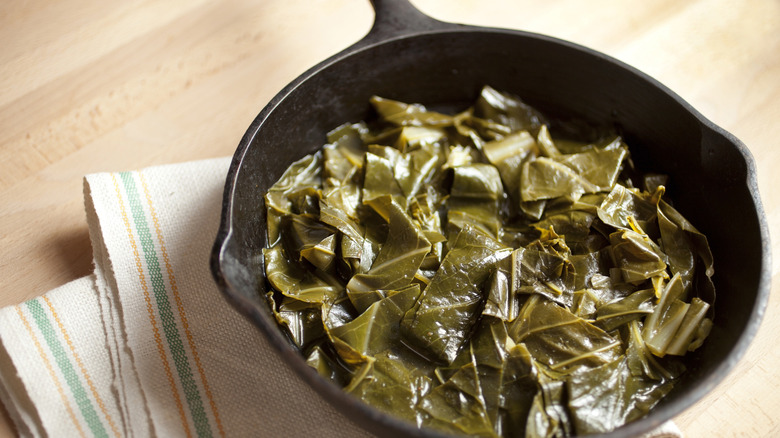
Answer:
(150, 310)
(180, 306)
(53, 375)
(82, 368)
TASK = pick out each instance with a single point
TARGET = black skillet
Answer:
(411, 57)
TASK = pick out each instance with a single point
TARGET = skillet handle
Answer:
(397, 18)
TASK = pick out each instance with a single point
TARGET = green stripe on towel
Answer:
(67, 369)
(170, 329)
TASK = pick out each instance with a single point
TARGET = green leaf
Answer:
(637, 257)
(559, 339)
(302, 321)
(546, 144)
(328, 366)
(423, 210)
(380, 180)
(322, 254)
(377, 328)
(641, 360)
(457, 405)
(661, 326)
(404, 114)
(475, 130)
(686, 248)
(356, 247)
(294, 281)
(573, 224)
(388, 384)
(508, 110)
(506, 376)
(635, 306)
(501, 302)
(604, 398)
(301, 233)
(302, 175)
(544, 273)
(622, 203)
(548, 416)
(344, 153)
(438, 325)
(337, 312)
(508, 155)
(399, 257)
(545, 178)
(475, 199)
(409, 170)
(412, 138)
(600, 167)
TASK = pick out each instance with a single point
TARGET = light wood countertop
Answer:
(89, 86)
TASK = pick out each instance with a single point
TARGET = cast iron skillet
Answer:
(411, 57)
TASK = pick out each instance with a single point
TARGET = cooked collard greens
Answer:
(476, 274)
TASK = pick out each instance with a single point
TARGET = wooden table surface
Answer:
(89, 86)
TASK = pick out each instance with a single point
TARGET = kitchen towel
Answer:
(147, 346)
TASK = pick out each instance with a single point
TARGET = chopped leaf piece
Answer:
(301, 175)
(404, 114)
(456, 405)
(507, 110)
(604, 398)
(545, 178)
(685, 247)
(559, 339)
(323, 254)
(327, 366)
(634, 306)
(600, 167)
(546, 144)
(302, 320)
(376, 329)
(387, 384)
(508, 155)
(401, 255)
(438, 325)
(622, 203)
(637, 257)
(294, 281)
(475, 199)
(501, 302)
(661, 326)
(549, 417)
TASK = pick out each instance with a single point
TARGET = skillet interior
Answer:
(712, 174)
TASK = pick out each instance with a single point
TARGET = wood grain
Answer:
(91, 86)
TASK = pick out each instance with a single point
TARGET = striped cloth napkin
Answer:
(147, 346)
